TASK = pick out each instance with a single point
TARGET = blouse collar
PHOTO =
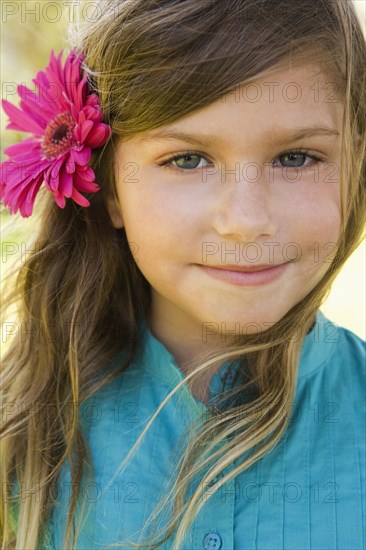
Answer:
(157, 360)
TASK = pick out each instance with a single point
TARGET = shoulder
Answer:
(351, 347)
(350, 358)
(344, 372)
(342, 344)
(332, 350)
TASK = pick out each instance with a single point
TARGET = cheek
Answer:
(316, 210)
(327, 211)
(152, 229)
(317, 224)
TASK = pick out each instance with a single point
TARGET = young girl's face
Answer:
(239, 194)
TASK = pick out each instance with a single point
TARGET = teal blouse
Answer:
(307, 493)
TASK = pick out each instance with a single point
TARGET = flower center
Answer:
(58, 136)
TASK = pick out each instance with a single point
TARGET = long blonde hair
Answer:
(152, 62)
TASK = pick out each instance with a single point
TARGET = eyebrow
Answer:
(207, 140)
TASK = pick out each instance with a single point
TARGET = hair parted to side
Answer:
(81, 294)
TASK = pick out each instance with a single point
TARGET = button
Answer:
(212, 541)
(229, 379)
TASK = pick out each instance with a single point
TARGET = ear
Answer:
(115, 212)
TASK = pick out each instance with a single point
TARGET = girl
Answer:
(177, 385)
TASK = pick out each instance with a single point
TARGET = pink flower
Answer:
(66, 123)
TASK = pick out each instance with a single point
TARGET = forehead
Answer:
(291, 90)
(307, 85)
(287, 96)
(280, 102)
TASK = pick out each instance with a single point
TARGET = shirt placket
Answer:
(213, 528)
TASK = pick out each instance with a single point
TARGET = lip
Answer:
(245, 275)
(243, 268)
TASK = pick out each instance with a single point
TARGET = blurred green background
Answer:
(30, 29)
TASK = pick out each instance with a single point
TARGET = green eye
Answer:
(296, 160)
(186, 161)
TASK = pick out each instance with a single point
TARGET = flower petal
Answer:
(65, 186)
(72, 78)
(54, 72)
(25, 146)
(57, 165)
(98, 136)
(52, 175)
(70, 165)
(92, 113)
(85, 185)
(82, 130)
(60, 200)
(14, 174)
(32, 157)
(74, 112)
(21, 120)
(79, 199)
(87, 175)
(40, 110)
(80, 94)
(82, 156)
(23, 197)
(52, 182)
(33, 190)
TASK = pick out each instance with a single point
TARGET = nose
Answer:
(243, 209)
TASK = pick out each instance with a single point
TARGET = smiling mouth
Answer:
(243, 268)
(245, 275)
